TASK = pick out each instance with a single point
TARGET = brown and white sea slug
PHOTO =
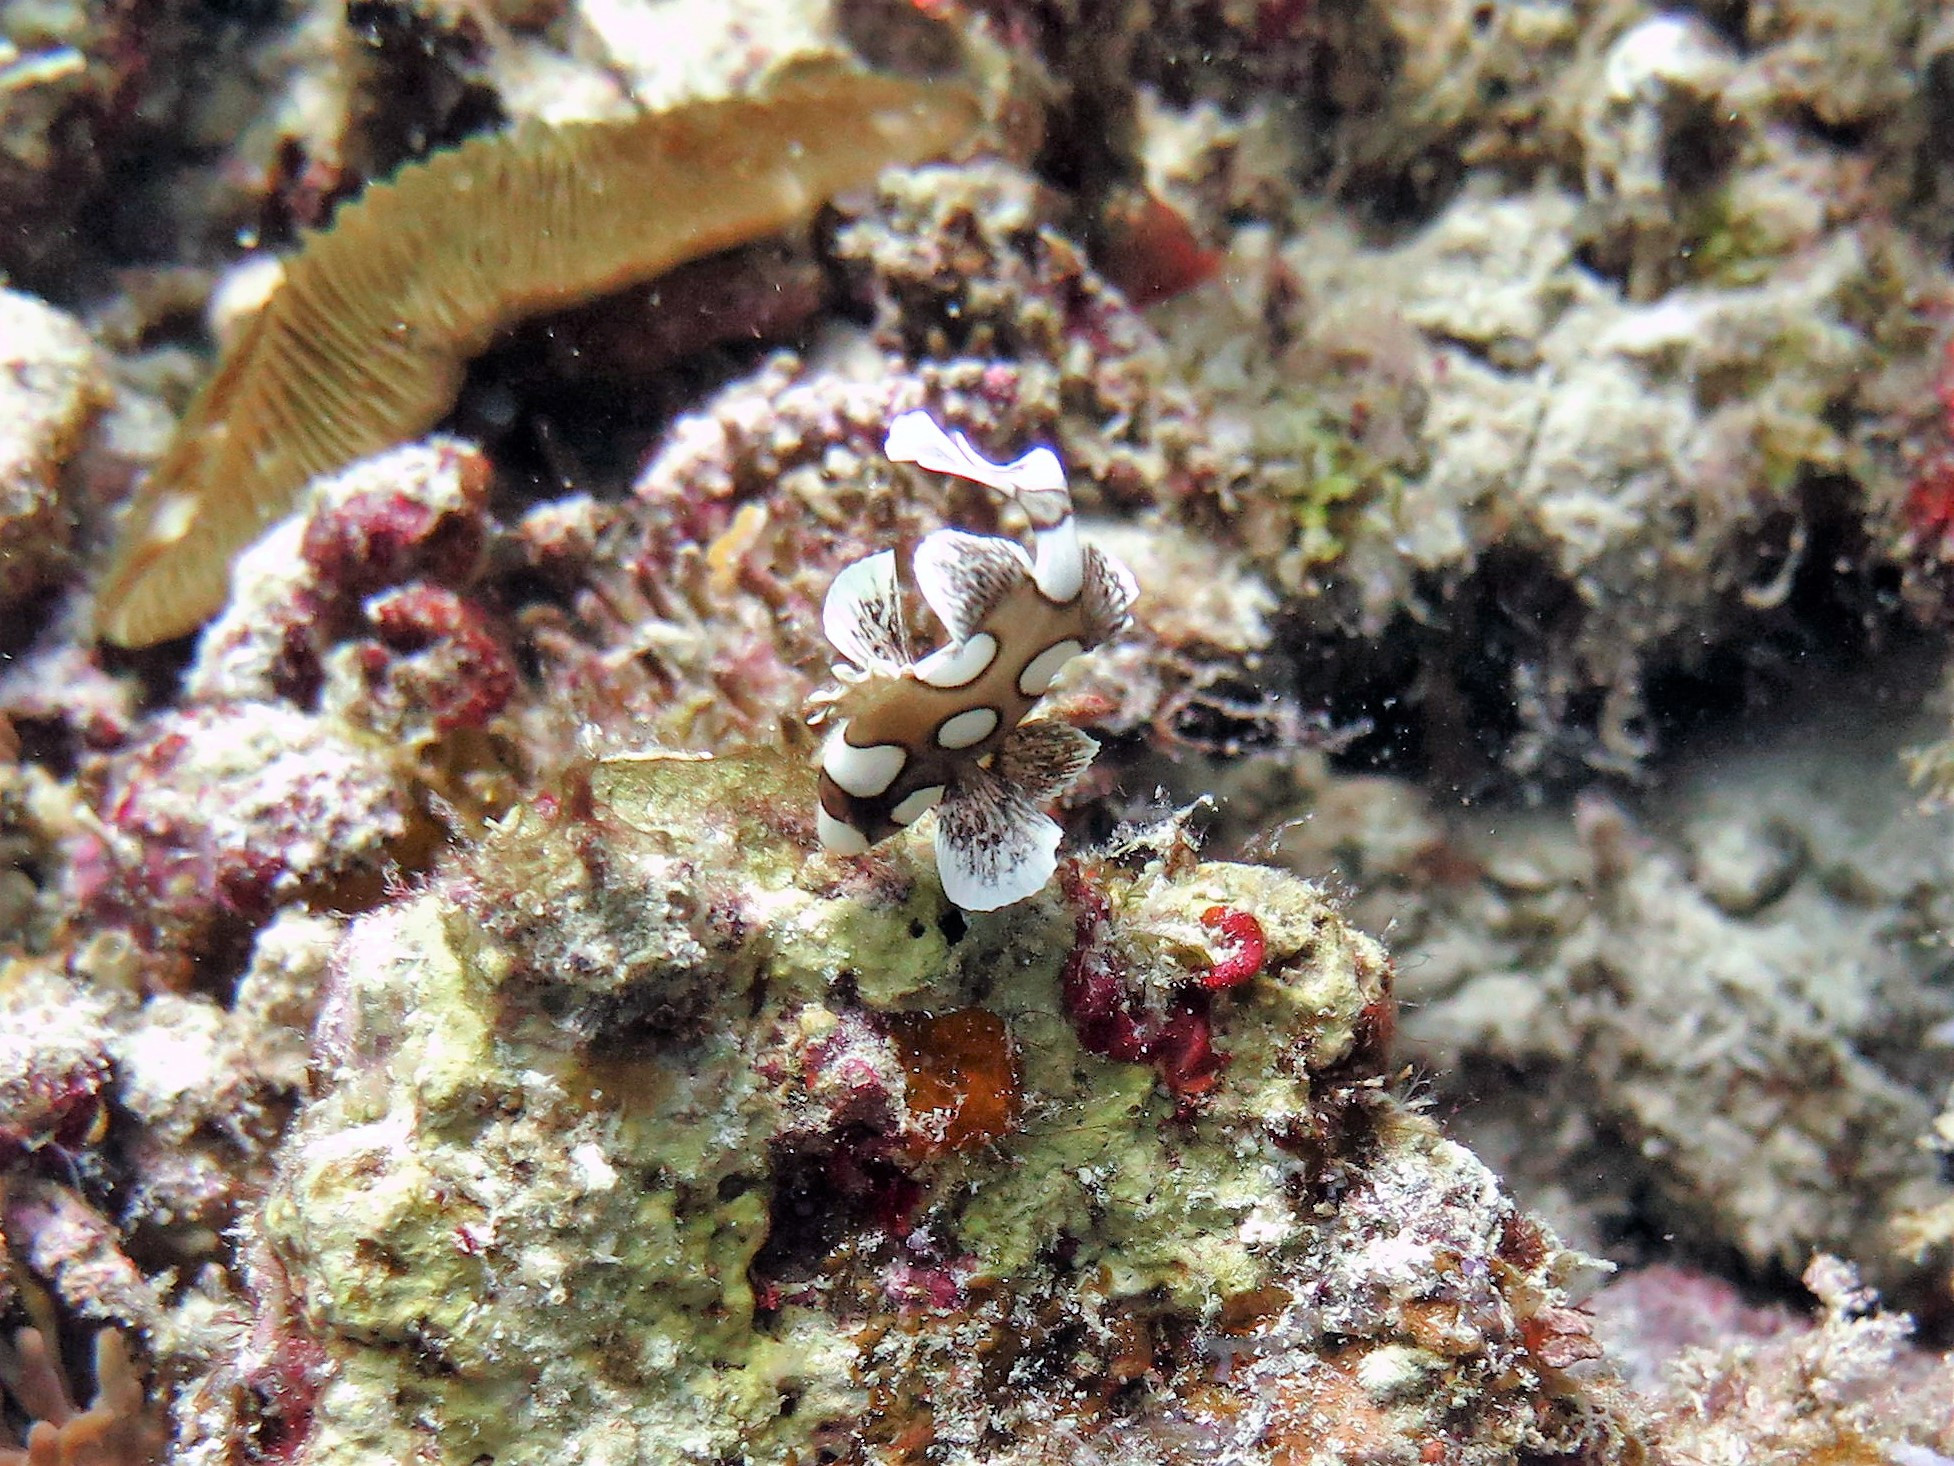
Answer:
(950, 731)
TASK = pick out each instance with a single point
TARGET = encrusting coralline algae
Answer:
(430, 1028)
(58, 386)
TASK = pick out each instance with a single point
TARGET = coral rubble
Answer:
(1728, 995)
(52, 380)
(221, 816)
(1882, 1399)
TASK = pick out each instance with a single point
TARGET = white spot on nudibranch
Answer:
(960, 663)
(1042, 670)
(862, 772)
(967, 728)
(1060, 571)
(838, 836)
(917, 805)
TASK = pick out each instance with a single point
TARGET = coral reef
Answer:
(430, 1027)
(1731, 1382)
(137, 1139)
(36, 811)
(900, 1179)
(1730, 990)
(1882, 1399)
(219, 817)
(359, 604)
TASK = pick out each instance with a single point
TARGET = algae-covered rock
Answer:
(653, 1135)
(224, 815)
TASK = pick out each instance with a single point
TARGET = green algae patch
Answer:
(750, 814)
(742, 808)
(1321, 473)
(456, 1214)
(889, 946)
(1175, 1198)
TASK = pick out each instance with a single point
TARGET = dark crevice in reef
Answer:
(1729, 17)
(1394, 204)
(412, 97)
(825, 1199)
(1489, 693)
(575, 400)
(1839, 630)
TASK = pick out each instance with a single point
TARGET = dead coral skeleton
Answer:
(116, 1429)
(1852, 1388)
(948, 731)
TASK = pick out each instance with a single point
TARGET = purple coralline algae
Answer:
(357, 601)
(1754, 1400)
(220, 816)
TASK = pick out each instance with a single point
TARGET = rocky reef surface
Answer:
(431, 1031)
(648, 1143)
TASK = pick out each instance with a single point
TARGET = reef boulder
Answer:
(652, 1133)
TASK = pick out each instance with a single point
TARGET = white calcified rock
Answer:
(51, 382)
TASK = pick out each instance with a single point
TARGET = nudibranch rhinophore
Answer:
(949, 732)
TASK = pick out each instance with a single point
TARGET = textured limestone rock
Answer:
(51, 383)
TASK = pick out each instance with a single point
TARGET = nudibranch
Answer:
(950, 731)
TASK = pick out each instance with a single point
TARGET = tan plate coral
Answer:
(364, 342)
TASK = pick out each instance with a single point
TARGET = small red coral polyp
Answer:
(1930, 504)
(1095, 999)
(1100, 1007)
(1929, 509)
(285, 1381)
(1248, 948)
(1184, 1050)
